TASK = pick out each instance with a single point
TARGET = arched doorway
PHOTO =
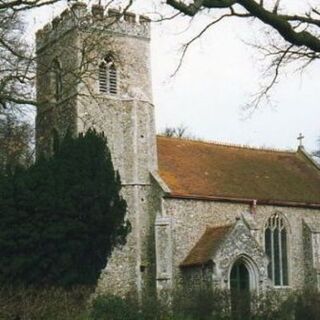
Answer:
(240, 290)
(239, 277)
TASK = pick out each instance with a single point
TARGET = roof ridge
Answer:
(210, 227)
(234, 145)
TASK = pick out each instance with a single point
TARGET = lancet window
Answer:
(57, 79)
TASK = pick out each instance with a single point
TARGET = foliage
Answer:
(201, 304)
(115, 308)
(210, 305)
(44, 303)
(16, 141)
(73, 304)
(307, 306)
(61, 218)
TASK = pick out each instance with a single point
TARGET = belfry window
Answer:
(108, 76)
(275, 235)
(57, 79)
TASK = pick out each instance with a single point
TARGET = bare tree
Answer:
(18, 58)
(22, 5)
(17, 65)
(296, 37)
(16, 141)
(317, 152)
(181, 132)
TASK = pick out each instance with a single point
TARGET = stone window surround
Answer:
(56, 78)
(104, 89)
(288, 235)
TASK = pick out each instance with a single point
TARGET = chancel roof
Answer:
(205, 248)
(199, 169)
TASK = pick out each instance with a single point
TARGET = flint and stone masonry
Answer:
(167, 247)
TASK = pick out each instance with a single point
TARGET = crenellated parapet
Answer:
(80, 16)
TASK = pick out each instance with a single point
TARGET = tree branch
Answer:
(279, 22)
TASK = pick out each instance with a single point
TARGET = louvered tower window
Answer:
(108, 76)
(276, 248)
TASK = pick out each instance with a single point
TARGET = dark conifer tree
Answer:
(61, 218)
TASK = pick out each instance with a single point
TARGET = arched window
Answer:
(275, 236)
(108, 76)
(57, 78)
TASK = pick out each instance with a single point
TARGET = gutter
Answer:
(243, 200)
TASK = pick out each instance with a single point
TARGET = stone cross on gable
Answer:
(300, 138)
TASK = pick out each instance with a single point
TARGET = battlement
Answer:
(86, 18)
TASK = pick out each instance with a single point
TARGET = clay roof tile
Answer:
(207, 245)
(195, 168)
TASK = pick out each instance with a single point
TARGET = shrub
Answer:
(201, 304)
(114, 308)
(44, 304)
(210, 305)
(307, 306)
(54, 303)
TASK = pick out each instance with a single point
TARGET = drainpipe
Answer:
(253, 207)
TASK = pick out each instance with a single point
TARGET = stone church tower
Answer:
(94, 71)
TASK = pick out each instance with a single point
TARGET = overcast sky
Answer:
(217, 79)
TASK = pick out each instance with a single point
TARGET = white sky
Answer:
(218, 77)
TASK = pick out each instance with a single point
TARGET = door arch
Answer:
(248, 273)
(239, 277)
(242, 280)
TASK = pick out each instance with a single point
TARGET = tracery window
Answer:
(276, 248)
(57, 79)
(108, 76)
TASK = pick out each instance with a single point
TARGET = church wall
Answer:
(190, 218)
(189, 221)
(310, 276)
(128, 123)
(127, 120)
(51, 114)
(131, 268)
(129, 133)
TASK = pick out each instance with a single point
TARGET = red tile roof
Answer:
(206, 246)
(201, 169)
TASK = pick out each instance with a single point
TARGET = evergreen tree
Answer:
(61, 218)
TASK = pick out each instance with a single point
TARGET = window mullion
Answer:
(108, 79)
(272, 256)
(238, 278)
(280, 257)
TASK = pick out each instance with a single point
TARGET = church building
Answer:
(202, 213)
